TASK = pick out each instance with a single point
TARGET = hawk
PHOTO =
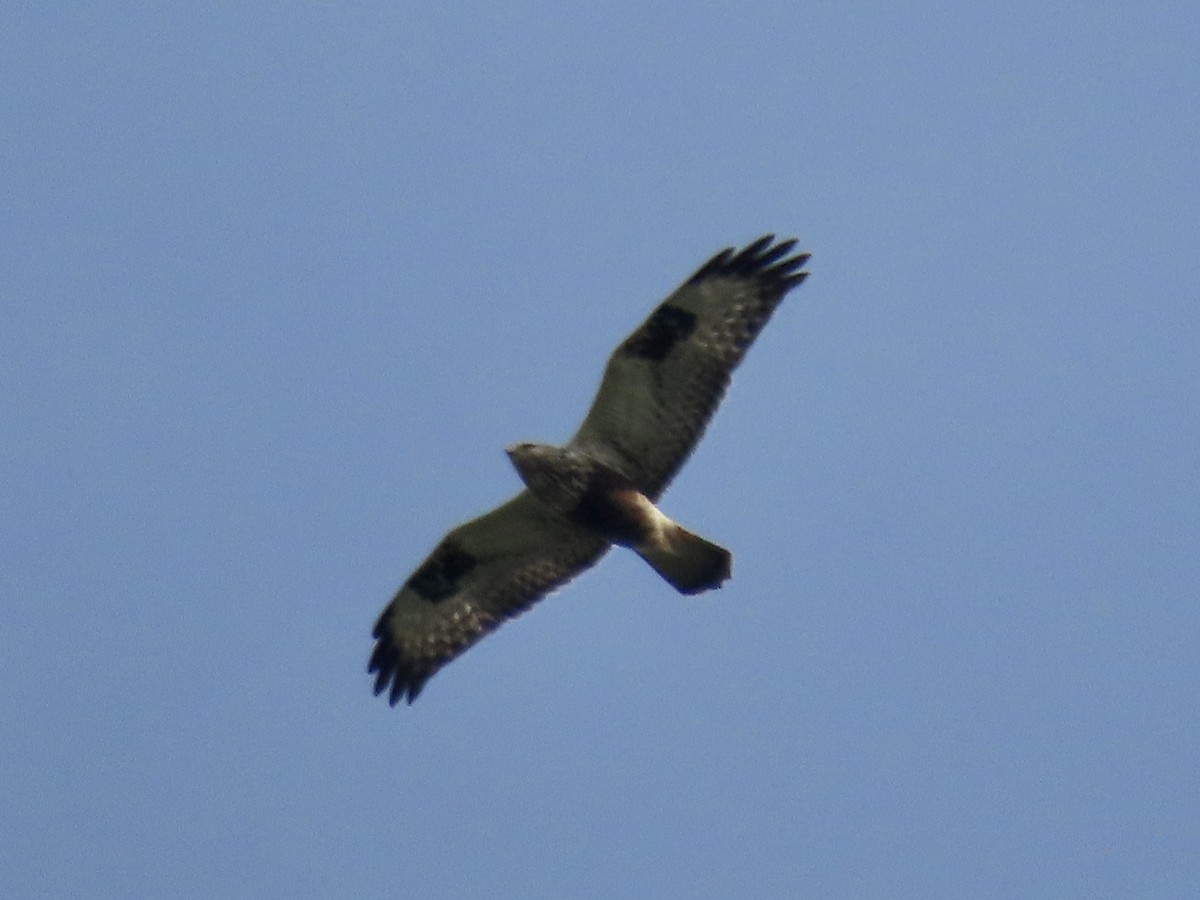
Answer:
(659, 390)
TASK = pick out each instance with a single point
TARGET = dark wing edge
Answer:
(480, 575)
(769, 266)
(664, 382)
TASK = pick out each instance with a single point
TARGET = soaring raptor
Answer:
(659, 390)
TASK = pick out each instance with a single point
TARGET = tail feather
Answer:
(689, 562)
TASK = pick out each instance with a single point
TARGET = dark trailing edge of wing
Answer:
(769, 265)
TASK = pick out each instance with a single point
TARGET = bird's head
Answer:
(526, 456)
(535, 462)
(556, 475)
(520, 451)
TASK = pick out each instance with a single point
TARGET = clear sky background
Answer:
(279, 283)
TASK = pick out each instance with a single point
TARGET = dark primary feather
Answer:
(663, 383)
(481, 574)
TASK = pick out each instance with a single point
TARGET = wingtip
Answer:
(764, 258)
(756, 247)
(407, 690)
(399, 685)
(395, 674)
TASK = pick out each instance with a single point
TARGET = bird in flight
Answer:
(660, 388)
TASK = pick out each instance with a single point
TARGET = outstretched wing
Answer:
(664, 382)
(482, 573)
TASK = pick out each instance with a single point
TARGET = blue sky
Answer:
(279, 284)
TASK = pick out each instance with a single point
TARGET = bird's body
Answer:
(604, 502)
(659, 391)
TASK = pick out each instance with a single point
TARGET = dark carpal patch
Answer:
(667, 327)
(442, 572)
